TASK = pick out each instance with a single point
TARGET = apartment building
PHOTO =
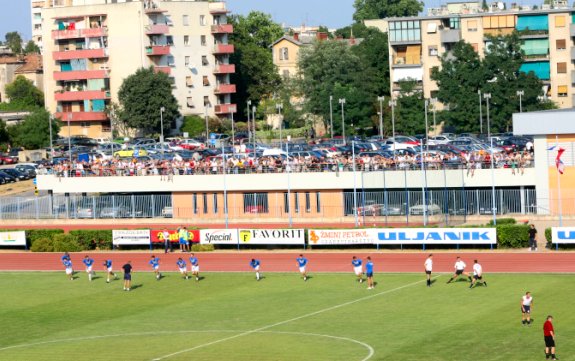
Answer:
(91, 46)
(416, 44)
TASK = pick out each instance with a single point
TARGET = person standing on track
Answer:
(526, 307)
(182, 267)
(167, 243)
(182, 234)
(127, 275)
(155, 263)
(357, 268)
(477, 274)
(108, 265)
(428, 268)
(88, 262)
(302, 263)
(68, 266)
(459, 270)
(369, 273)
(532, 238)
(195, 265)
(549, 335)
(255, 264)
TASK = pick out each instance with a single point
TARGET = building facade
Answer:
(416, 44)
(91, 46)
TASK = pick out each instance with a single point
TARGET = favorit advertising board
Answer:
(341, 237)
(272, 236)
(563, 235)
(16, 238)
(437, 236)
(219, 236)
(134, 237)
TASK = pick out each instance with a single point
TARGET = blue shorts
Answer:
(527, 309)
(369, 274)
(182, 241)
(128, 276)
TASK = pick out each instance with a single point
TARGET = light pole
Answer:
(342, 102)
(254, 124)
(426, 126)
(162, 110)
(380, 100)
(249, 103)
(331, 115)
(288, 168)
(279, 107)
(520, 93)
(423, 175)
(225, 186)
(69, 142)
(487, 97)
(392, 104)
(354, 185)
(480, 113)
(434, 103)
(232, 111)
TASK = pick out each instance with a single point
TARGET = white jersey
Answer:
(527, 300)
(460, 265)
(429, 264)
(477, 269)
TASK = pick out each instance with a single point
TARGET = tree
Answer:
(379, 9)
(141, 96)
(34, 131)
(14, 42)
(31, 48)
(256, 76)
(358, 30)
(23, 93)
(195, 126)
(373, 54)
(410, 110)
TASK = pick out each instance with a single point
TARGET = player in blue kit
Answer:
(108, 266)
(195, 266)
(302, 263)
(357, 268)
(68, 266)
(88, 262)
(369, 273)
(255, 264)
(182, 267)
(155, 263)
(65, 256)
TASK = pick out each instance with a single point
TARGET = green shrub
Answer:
(202, 247)
(512, 235)
(502, 221)
(548, 235)
(57, 243)
(90, 239)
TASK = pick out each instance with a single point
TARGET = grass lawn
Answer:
(230, 316)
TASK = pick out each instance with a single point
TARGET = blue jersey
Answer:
(193, 261)
(67, 263)
(255, 263)
(155, 262)
(301, 261)
(88, 262)
(181, 264)
(356, 262)
(369, 267)
(64, 258)
(108, 263)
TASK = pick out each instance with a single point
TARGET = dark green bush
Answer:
(548, 235)
(503, 221)
(202, 247)
(512, 235)
(90, 239)
(57, 243)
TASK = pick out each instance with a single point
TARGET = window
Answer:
(296, 202)
(307, 202)
(562, 91)
(186, 40)
(190, 103)
(187, 60)
(206, 80)
(203, 40)
(404, 31)
(472, 25)
(170, 40)
(454, 23)
(207, 103)
(561, 68)
(202, 20)
(431, 28)
(561, 44)
(205, 60)
(189, 81)
(284, 54)
(285, 74)
(171, 60)
(560, 21)
(85, 125)
(318, 202)
(432, 50)
(215, 203)
(205, 196)
(255, 203)
(185, 20)
(286, 203)
(195, 203)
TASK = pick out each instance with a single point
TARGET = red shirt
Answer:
(548, 328)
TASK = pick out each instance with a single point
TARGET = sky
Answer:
(15, 14)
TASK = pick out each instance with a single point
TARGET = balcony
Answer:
(535, 57)
(157, 50)
(163, 69)
(407, 61)
(225, 89)
(224, 49)
(225, 108)
(534, 34)
(80, 54)
(450, 35)
(70, 96)
(82, 116)
(79, 33)
(157, 29)
(218, 8)
(81, 75)
(225, 69)
(222, 29)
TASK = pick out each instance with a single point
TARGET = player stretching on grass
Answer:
(108, 265)
(68, 266)
(357, 268)
(127, 275)
(428, 268)
(369, 273)
(302, 263)
(526, 305)
(88, 262)
(255, 264)
(155, 263)
(195, 265)
(477, 274)
(183, 267)
(459, 270)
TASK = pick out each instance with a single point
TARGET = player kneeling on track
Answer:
(459, 270)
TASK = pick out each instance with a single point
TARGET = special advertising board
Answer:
(157, 235)
(16, 238)
(437, 236)
(219, 236)
(341, 237)
(128, 237)
(272, 236)
(563, 235)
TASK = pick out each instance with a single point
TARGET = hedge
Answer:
(57, 243)
(548, 235)
(202, 248)
(502, 221)
(92, 239)
(513, 235)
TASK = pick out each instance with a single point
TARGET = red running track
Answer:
(285, 262)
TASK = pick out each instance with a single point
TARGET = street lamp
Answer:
(520, 93)
(381, 99)
(249, 103)
(162, 110)
(480, 113)
(342, 102)
(254, 124)
(331, 115)
(51, 142)
(279, 107)
(392, 104)
(434, 103)
(426, 126)
(487, 97)
(232, 111)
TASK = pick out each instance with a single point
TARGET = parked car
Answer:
(20, 176)
(168, 212)
(27, 168)
(8, 178)
(429, 209)
(115, 212)
(131, 152)
(191, 144)
(8, 159)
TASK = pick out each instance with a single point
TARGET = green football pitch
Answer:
(230, 316)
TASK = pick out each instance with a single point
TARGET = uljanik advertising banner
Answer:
(16, 238)
(272, 236)
(219, 236)
(436, 236)
(341, 237)
(563, 235)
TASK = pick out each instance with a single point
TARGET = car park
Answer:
(131, 152)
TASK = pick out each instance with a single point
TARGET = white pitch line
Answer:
(288, 321)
